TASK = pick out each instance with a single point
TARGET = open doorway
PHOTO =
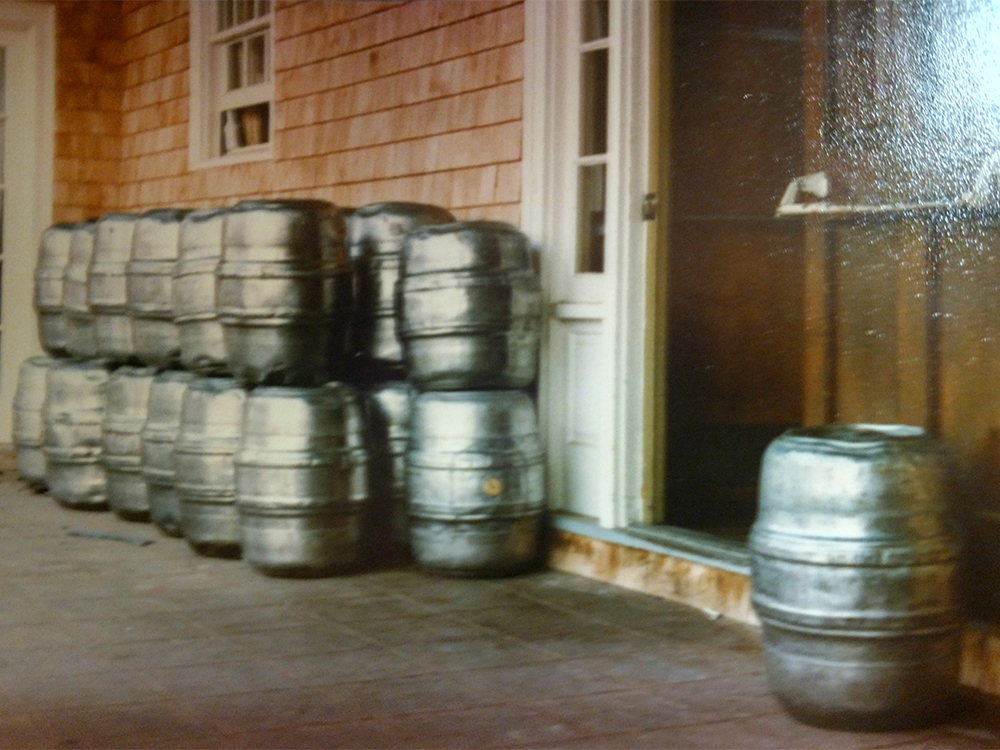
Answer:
(736, 274)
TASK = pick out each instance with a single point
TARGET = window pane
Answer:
(244, 11)
(595, 19)
(594, 103)
(225, 14)
(263, 7)
(590, 223)
(234, 65)
(246, 126)
(256, 53)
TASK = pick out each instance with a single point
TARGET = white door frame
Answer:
(609, 312)
(28, 33)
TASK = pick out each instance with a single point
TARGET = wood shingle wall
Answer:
(375, 101)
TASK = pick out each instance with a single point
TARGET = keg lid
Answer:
(382, 227)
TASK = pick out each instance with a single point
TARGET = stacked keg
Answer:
(311, 388)
(469, 320)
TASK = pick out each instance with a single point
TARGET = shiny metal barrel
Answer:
(204, 458)
(74, 409)
(29, 426)
(375, 237)
(106, 287)
(475, 476)
(388, 410)
(470, 307)
(156, 441)
(53, 255)
(149, 284)
(124, 416)
(293, 483)
(853, 567)
(81, 339)
(284, 292)
(203, 347)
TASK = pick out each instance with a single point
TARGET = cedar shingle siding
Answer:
(375, 101)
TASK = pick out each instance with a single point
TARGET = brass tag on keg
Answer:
(493, 486)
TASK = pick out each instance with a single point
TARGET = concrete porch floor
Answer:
(110, 644)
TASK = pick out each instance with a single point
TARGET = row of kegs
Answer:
(296, 292)
(259, 446)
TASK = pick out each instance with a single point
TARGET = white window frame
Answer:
(209, 97)
(613, 302)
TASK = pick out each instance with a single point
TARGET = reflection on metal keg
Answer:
(293, 483)
(284, 292)
(470, 307)
(29, 427)
(81, 341)
(854, 576)
(476, 482)
(159, 433)
(106, 287)
(124, 417)
(203, 348)
(73, 412)
(149, 278)
(204, 457)
(53, 255)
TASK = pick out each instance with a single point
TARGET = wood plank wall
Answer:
(375, 101)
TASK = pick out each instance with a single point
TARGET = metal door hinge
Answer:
(650, 203)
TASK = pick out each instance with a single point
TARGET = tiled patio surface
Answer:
(111, 644)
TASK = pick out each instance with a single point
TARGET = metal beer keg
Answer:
(284, 292)
(73, 412)
(203, 348)
(106, 287)
(854, 576)
(53, 255)
(204, 457)
(156, 440)
(293, 483)
(389, 406)
(149, 284)
(81, 340)
(124, 416)
(470, 307)
(375, 236)
(29, 427)
(475, 476)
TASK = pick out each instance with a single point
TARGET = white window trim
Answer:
(203, 92)
(548, 211)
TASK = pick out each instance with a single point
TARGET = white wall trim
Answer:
(548, 218)
(28, 32)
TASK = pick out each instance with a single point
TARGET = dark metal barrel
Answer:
(159, 433)
(203, 347)
(81, 339)
(149, 283)
(106, 287)
(475, 475)
(389, 406)
(854, 576)
(470, 307)
(29, 426)
(204, 457)
(293, 483)
(284, 292)
(73, 412)
(375, 238)
(53, 255)
(124, 417)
